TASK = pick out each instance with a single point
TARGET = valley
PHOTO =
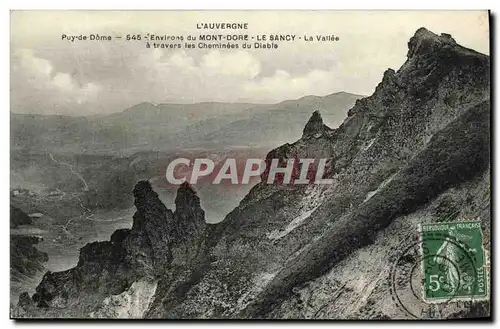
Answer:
(78, 177)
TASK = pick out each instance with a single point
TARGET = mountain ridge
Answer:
(161, 128)
(156, 105)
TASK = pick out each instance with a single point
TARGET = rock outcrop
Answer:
(25, 259)
(315, 127)
(27, 263)
(18, 217)
(160, 243)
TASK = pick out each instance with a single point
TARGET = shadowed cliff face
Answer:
(423, 129)
(25, 259)
(420, 139)
(18, 217)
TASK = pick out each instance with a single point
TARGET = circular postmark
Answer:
(432, 272)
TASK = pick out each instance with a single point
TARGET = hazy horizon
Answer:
(54, 76)
(197, 103)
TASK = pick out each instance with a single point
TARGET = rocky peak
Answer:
(158, 242)
(314, 127)
(143, 194)
(171, 238)
(189, 217)
(424, 42)
(388, 76)
(149, 207)
(186, 199)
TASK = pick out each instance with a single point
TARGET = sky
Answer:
(54, 76)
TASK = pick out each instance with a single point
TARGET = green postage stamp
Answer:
(454, 261)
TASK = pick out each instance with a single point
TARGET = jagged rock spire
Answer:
(149, 206)
(190, 217)
(186, 198)
(314, 126)
(424, 42)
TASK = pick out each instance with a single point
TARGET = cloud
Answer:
(214, 76)
(37, 77)
(158, 76)
(49, 75)
(288, 86)
(235, 76)
(239, 64)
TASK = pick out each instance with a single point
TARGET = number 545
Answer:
(133, 37)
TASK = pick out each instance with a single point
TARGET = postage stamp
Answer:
(454, 268)
(441, 270)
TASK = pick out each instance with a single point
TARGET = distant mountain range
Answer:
(163, 127)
